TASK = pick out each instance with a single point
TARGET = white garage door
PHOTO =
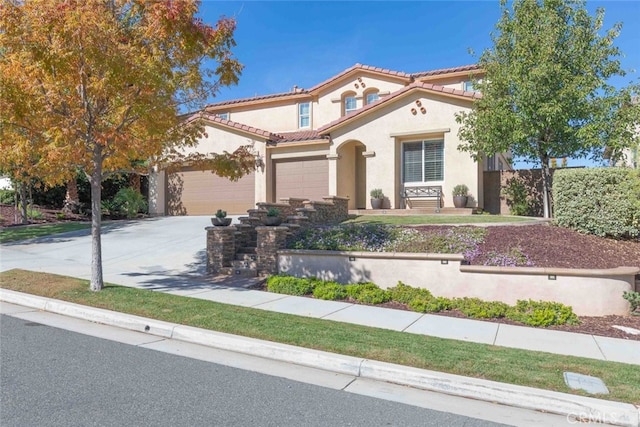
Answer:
(305, 178)
(194, 192)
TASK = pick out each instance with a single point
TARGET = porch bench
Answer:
(431, 194)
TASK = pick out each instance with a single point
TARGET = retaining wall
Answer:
(590, 292)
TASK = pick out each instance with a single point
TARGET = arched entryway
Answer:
(352, 174)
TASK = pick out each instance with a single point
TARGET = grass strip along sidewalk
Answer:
(527, 368)
(11, 234)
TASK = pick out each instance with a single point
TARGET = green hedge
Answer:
(600, 201)
(533, 313)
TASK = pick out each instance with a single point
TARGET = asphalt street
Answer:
(54, 377)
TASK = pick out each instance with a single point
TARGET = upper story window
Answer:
(423, 161)
(224, 116)
(468, 86)
(304, 115)
(371, 97)
(350, 104)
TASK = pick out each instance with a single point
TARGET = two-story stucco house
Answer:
(362, 129)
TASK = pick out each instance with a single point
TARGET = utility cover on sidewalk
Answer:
(589, 384)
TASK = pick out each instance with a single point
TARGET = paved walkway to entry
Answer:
(168, 255)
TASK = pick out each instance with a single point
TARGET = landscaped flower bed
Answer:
(386, 238)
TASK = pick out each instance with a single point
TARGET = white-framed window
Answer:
(423, 161)
(304, 115)
(468, 86)
(224, 116)
(371, 97)
(350, 104)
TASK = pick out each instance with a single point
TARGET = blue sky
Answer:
(287, 43)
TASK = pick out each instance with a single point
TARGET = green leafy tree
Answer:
(545, 93)
(97, 86)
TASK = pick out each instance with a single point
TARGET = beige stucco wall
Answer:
(589, 292)
(328, 106)
(376, 131)
(275, 118)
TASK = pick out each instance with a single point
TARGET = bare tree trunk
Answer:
(95, 180)
(71, 198)
(134, 182)
(23, 202)
(546, 186)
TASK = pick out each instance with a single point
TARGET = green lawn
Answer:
(10, 234)
(534, 369)
(434, 219)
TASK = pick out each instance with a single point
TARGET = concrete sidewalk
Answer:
(535, 339)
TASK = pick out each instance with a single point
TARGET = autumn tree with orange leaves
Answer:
(97, 86)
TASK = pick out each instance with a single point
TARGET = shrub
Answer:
(329, 291)
(7, 197)
(517, 196)
(33, 213)
(348, 237)
(602, 201)
(430, 305)
(290, 285)
(633, 298)
(368, 293)
(376, 193)
(477, 308)
(129, 202)
(405, 294)
(542, 313)
(460, 190)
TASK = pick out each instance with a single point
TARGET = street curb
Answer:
(575, 408)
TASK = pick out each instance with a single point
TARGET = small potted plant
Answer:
(460, 195)
(220, 219)
(273, 217)
(377, 197)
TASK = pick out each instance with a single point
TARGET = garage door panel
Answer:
(307, 178)
(194, 192)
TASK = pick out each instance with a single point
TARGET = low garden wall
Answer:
(590, 292)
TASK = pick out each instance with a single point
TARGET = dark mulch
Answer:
(8, 216)
(552, 246)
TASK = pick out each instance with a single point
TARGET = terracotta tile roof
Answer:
(256, 98)
(413, 86)
(471, 67)
(212, 118)
(364, 68)
(306, 92)
(302, 135)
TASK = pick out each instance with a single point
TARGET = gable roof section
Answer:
(360, 67)
(213, 119)
(453, 72)
(421, 86)
(283, 137)
(300, 94)
(299, 136)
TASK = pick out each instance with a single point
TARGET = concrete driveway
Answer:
(154, 253)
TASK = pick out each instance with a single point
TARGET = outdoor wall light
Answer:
(552, 277)
(352, 258)
(259, 162)
(444, 262)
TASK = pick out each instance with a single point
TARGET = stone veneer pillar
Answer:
(270, 240)
(221, 248)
